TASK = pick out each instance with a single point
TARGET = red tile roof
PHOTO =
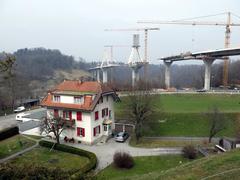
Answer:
(77, 86)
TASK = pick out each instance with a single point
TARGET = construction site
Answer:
(137, 63)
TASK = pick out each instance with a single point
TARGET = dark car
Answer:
(121, 136)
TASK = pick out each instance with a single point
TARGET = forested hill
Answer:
(39, 63)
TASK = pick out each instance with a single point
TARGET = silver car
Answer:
(121, 136)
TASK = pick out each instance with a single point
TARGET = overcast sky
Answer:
(76, 27)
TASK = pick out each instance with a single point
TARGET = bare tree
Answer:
(55, 125)
(7, 68)
(216, 122)
(140, 104)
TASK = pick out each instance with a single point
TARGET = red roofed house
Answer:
(88, 105)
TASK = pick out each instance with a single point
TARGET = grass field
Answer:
(184, 114)
(142, 165)
(14, 144)
(226, 165)
(44, 157)
(155, 143)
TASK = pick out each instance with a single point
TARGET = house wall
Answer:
(88, 120)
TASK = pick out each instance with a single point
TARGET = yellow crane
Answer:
(227, 25)
(145, 43)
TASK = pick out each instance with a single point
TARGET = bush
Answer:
(189, 152)
(123, 160)
(61, 147)
(8, 132)
(31, 171)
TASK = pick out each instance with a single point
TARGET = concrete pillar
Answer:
(207, 78)
(135, 76)
(167, 74)
(104, 70)
(98, 74)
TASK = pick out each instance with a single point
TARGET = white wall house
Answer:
(88, 105)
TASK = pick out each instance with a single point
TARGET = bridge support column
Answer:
(167, 73)
(135, 76)
(98, 75)
(105, 75)
(207, 78)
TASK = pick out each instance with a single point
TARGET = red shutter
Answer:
(78, 131)
(55, 113)
(103, 112)
(79, 116)
(70, 115)
(83, 132)
(106, 111)
(96, 115)
(94, 131)
(64, 114)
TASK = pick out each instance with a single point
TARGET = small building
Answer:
(87, 106)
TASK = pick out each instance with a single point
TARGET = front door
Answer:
(107, 129)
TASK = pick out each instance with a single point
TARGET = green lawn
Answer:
(186, 103)
(155, 143)
(142, 165)
(201, 168)
(14, 144)
(42, 156)
(183, 114)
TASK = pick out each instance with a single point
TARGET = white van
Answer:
(21, 117)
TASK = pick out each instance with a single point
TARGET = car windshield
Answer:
(120, 134)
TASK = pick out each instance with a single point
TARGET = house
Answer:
(88, 106)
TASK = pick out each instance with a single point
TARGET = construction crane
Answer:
(111, 49)
(146, 29)
(227, 25)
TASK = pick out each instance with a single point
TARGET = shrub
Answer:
(123, 160)
(61, 147)
(189, 152)
(8, 132)
(31, 171)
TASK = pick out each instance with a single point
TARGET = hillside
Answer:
(222, 166)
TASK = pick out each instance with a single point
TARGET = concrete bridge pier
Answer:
(105, 75)
(167, 73)
(98, 75)
(135, 76)
(207, 78)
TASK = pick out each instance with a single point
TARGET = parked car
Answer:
(201, 90)
(121, 136)
(20, 109)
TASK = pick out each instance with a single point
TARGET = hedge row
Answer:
(8, 132)
(61, 147)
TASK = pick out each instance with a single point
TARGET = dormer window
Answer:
(56, 98)
(78, 100)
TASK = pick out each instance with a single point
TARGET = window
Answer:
(101, 100)
(67, 115)
(56, 98)
(96, 115)
(105, 127)
(56, 113)
(104, 112)
(110, 114)
(96, 130)
(80, 131)
(79, 116)
(77, 100)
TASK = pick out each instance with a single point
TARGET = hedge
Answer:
(9, 132)
(61, 147)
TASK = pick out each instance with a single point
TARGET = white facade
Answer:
(87, 122)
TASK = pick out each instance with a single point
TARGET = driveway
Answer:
(106, 151)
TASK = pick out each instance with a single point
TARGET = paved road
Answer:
(106, 151)
(9, 120)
